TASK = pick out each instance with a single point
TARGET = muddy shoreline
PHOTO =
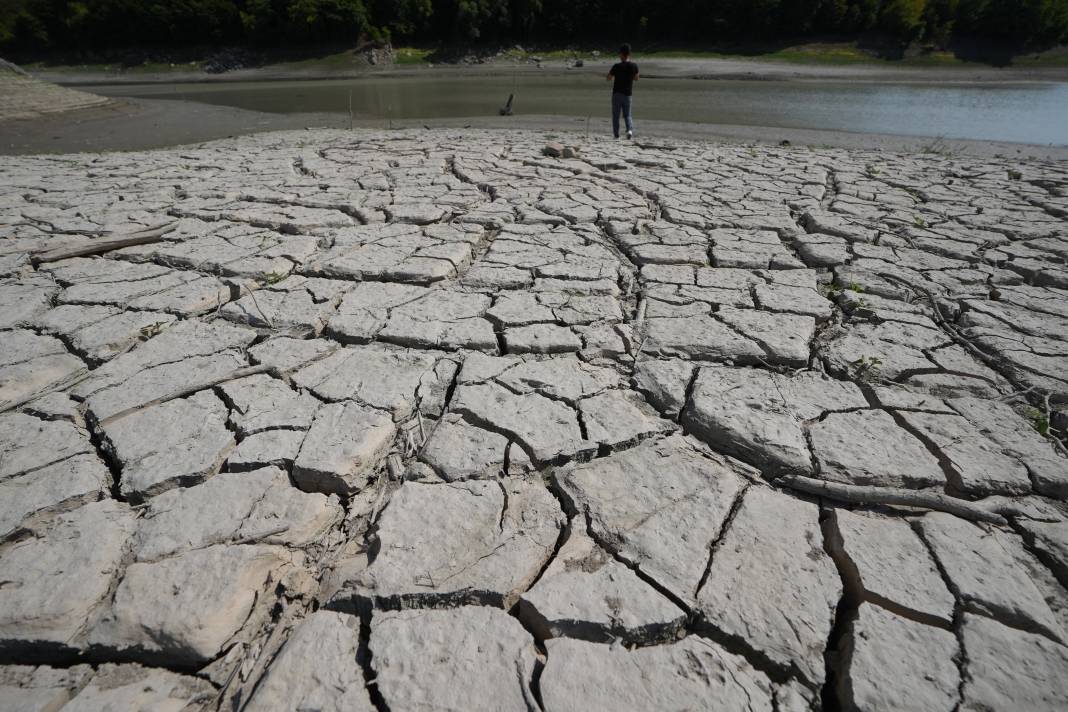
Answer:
(142, 124)
(697, 68)
(146, 123)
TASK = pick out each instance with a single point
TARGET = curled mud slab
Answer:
(413, 420)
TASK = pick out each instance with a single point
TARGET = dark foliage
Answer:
(71, 25)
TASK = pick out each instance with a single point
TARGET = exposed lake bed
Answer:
(533, 424)
(422, 406)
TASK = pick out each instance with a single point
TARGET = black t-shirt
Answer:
(624, 73)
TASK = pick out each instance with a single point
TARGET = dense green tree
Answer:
(902, 18)
(316, 20)
(27, 25)
(939, 18)
(403, 18)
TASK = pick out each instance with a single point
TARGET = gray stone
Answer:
(999, 423)
(658, 507)
(618, 419)
(1050, 541)
(691, 674)
(470, 658)
(520, 309)
(868, 448)
(64, 485)
(457, 450)
(180, 356)
(759, 416)
(771, 586)
(664, 383)
(563, 378)
(162, 383)
(396, 381)
(884, 561)
(820, 250)
(234, 508)
(292, 303)
(174, 444)
(981, 466)
(57, 579)
(887, 350)
(132, 687)
(230, 249)
(25, 688)
(1011, 669)
(23, 299)
(366, 309)
(793, 300)
(553, 149)
(541, 339)
(269, 448)
(31, 365)
(139, 286)
(183, 610)
(315, 669)
(28, 443)
(701, 338)
(606, 341)
(982, 566)
(585, 593)
(441, 319)
(188, 339)
(416, 214)
(463, 542)
(899, 664)
(784, 338)
(544, 428)
(287, 353)
(56, 406)
(345, 444)
(100, 333)
(261, 403)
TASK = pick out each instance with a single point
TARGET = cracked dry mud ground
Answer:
(427, 420)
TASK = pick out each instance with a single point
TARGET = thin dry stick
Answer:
(990, 361)
(856, 494)
(639, 316)
(255, 302)
(951, 329)
(97, 247)
(382, 478)
(395, 467)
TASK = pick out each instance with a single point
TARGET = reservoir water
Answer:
(1035, 113)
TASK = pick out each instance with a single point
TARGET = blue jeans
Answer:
(620, 104)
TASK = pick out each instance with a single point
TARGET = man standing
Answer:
(625, 73)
